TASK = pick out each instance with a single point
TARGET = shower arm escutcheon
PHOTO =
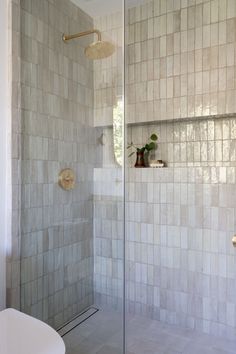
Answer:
(234, 241)
(82, 34)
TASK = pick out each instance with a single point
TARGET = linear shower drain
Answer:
(76, 321)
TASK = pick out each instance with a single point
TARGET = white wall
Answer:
(4, 125)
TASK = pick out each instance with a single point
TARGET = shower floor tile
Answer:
(102, 334)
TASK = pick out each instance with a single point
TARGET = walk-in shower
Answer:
(122, 259)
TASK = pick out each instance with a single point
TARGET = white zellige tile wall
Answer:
(55, 111)
(181, 59)
(108, 84)
(180, 220)
(180, 262)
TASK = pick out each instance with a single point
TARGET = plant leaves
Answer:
(153, 137)
(147, 147)
(131, 154)
(152, 146)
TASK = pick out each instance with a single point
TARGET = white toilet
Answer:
(22, 334)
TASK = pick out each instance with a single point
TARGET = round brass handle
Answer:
(66, 179)
(234, 241)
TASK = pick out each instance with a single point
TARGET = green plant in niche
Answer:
(149, 146)
(140, 151)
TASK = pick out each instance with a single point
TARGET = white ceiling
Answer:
(97, 8)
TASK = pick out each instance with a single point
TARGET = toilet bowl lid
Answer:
(23, 334)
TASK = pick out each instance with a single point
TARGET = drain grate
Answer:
(69, 326)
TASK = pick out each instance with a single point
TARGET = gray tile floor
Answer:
(102, 334)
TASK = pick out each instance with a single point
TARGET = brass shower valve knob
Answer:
(66, 179)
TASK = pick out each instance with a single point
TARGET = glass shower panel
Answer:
(180, 261)
(72, 204)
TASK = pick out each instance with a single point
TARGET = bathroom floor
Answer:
(102, 334)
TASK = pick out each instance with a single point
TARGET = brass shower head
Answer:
(96, 50)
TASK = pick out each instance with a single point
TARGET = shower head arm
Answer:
(82, 34)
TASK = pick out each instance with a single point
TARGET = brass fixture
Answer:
(66, 179)
(96, 50)
(82, 34)
(234, 241)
